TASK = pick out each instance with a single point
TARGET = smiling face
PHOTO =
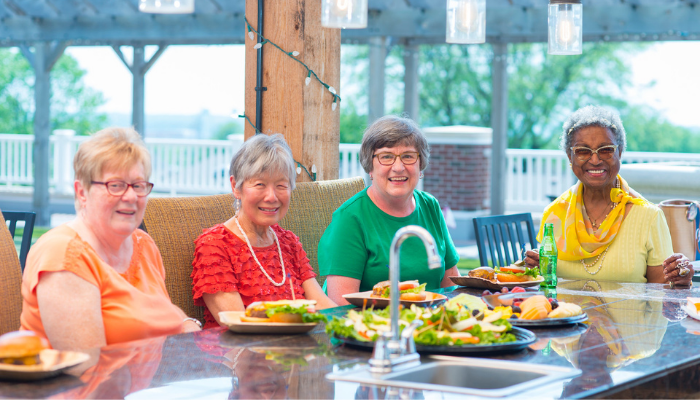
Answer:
(264, 200)
(106, 214)
(395, 182)
(595, 173)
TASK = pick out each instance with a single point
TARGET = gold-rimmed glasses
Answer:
(583, 153)
(408, 158)
(118, 188)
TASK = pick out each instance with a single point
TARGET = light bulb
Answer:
(565, 27)
(341, 7)
(176, 3)
(467, 13)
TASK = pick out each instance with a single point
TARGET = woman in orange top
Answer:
(99, 280)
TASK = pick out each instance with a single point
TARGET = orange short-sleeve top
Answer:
(135, 305)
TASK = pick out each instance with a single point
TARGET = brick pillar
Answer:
(459, 174)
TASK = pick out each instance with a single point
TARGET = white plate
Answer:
(365, 299)
(232, 319)
(481, 283)
(691, 313)
(53, 362)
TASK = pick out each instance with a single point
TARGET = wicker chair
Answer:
(174, 223)
(10, 281)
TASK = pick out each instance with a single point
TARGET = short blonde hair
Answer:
(111, 148)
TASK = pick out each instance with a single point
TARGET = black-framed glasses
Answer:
(604, 152)
(408, 158)
(118, 188)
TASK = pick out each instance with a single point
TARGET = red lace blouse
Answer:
(223, 263)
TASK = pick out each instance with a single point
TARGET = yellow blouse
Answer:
(643, 239)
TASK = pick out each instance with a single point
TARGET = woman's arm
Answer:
(339, 285)
(655, 274)
(446, 281)
(71, 311)
(223, 301)
(313, 291)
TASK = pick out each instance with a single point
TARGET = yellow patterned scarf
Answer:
(574, 242)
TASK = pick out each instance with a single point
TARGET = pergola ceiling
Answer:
(118, 22)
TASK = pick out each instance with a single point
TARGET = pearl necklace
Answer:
(586, 266)
(274, 235)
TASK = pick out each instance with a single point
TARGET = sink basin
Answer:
(474, 376)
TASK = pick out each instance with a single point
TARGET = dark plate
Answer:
(481, 283)
(365, 299)
(548, 322)
(524, 339)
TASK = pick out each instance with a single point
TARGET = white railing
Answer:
(182, 166)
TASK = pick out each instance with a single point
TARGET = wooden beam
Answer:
(499, 126)
(303, 114)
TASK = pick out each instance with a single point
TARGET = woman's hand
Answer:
(678, 270)
(532, 259)
(313, 291)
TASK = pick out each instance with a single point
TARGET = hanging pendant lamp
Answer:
(346, 14)
(166, 6)
(565, 27)
(466, 21)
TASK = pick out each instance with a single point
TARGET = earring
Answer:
(421, 175)
(371, 178)
(570, 165)
(236, 205)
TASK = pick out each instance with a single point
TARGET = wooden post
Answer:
(378, 49)
(499, 124)
(303, 114)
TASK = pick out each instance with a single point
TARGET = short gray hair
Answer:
(594, 116)
(263, 155)
(390, 131)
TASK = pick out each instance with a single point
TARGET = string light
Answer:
(300, 166)
(291, 54)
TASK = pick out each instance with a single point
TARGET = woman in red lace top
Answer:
(249, 257)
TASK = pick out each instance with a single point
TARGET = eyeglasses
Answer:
(118, 188)
(585, 154)
(407, 158)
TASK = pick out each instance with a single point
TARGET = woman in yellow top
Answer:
(602, 227)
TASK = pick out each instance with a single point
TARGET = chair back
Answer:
(28, 217)
(174, 224)
(501, 238)
(10, 281)
(311, 210)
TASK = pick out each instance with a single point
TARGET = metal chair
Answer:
(28, 217)
(505, 236)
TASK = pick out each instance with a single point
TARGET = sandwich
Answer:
(283, 311)
(483, 273)
(408, 290)
(516, 273)
(21, 348)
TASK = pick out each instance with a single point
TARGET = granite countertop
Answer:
(637, 342)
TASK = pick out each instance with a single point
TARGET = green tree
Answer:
(73, 104)
(229, 128)
(647, 131)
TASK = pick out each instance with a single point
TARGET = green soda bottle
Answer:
(548, 257)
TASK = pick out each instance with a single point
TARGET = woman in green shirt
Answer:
(354, 250)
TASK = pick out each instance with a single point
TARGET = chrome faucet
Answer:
(391, 348)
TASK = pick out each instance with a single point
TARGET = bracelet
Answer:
(195, 320)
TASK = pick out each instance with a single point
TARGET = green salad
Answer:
(453, 324)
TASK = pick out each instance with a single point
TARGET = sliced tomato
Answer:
(364, 335)
(514, 269)
(408, 285)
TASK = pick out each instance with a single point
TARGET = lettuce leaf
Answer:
(533, 272)
(417, 289)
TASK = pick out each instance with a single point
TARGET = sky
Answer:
(189, 79)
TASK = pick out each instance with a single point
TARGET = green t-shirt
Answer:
(356, 243)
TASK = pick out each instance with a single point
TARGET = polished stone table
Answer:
(637, 343)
